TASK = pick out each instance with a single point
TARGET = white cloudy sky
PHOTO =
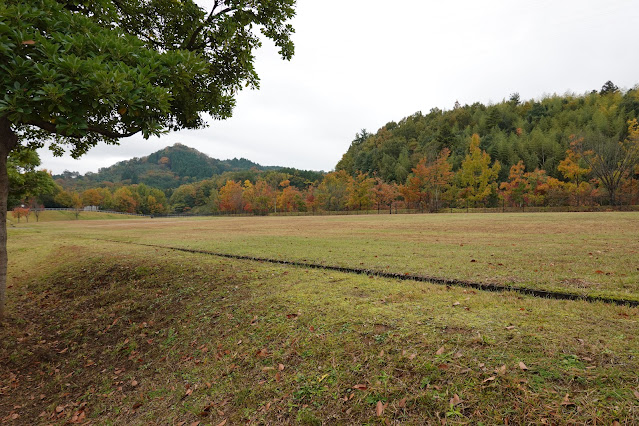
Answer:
(362, 63)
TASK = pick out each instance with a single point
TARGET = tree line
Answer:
(559, 151)
(535, 132)
(592, 171)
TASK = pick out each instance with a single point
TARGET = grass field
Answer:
(114, 333)
(581, 253)
(65, 215)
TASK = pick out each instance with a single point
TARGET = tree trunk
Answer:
(8, 141)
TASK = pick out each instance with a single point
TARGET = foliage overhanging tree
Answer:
(79, 72)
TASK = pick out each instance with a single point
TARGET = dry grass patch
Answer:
(115, 334)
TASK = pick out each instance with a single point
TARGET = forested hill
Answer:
(535, 131)
(168, 168)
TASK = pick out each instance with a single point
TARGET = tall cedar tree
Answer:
(80, 72)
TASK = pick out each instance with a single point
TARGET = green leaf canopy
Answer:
(78, 72)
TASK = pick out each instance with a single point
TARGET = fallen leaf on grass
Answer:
(490, 379)
(510, 327)
(456, 303)
(402, 403)
(280, 367)
(278, 377)
(379, 409)
(360, 387)
(501, 370)
(636, 393)
(222, 423)
(59, 409)
(566, 402)
(262, 353)
(189, 391)
(523, 366)
(134, 383)
(455, 400)
(440, 351)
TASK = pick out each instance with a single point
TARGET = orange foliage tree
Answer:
(230, 197)
(360, 192)
(384, 194)
(20, 212)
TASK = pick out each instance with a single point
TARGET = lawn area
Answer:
(66, 215)
(580, 253)
(115, 333)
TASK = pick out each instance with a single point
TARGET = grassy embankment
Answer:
(115, 333)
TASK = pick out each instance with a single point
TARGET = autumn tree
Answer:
(610, 160)
(76, 204)
(416, 190)
(476, 176)
(513, 191)
(230, 197)
(360, 192)
(290, 199)
(384, 194)
(150, 201)
(310, 197)
(91, 197)
(259, 198)
(64, 198)
(82, 72)
(20, 212)
(428, 181)
(332, 193)
(572, 170)
(123, 200)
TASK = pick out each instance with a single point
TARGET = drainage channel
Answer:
(556, 295)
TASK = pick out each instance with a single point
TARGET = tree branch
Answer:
(209, 19)
(52, 128)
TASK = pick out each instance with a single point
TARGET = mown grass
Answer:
(581, 253)
(118, 334)
(64, 215)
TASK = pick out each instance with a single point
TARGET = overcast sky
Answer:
(362, 63)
